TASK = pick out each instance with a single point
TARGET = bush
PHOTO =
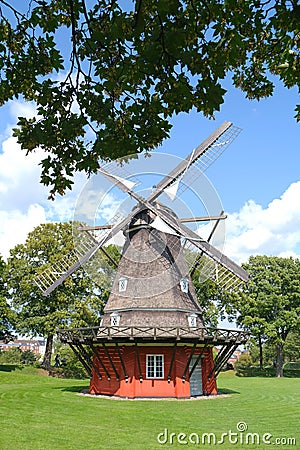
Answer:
(292, 365)
(266, 372)
(28, 357)
(11, 356)
(243, 362)
(15, 355)
(256, 372)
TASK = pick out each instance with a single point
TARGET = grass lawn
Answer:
(44, 413)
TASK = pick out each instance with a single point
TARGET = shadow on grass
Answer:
(227, 391)
(74, 388)
(10, 367)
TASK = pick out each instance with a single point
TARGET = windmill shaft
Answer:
(97, 227)
(203, 219)
(189, 160)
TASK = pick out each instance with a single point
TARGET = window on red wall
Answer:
(155, 366)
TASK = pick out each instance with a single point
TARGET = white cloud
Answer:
(16, 225)
(22, 109)
(274, 230)
(24, 201)
(19, 176)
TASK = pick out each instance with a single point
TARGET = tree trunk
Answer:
(279, 360)
(46, 364)
(261, 362)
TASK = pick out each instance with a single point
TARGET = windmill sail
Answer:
(210, 251)
(223, 261)
(189, 170)
(213, 263)
(56, 274)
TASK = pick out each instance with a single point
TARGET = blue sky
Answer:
(257, 177)
(263, 161)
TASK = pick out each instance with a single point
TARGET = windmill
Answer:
(152, 333)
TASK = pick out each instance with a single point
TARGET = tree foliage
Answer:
(292, 346)
(208, 295)
(270, 307)
(78, 302)
(6, 313)
(107, 75)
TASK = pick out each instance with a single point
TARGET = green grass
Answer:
(44, 413)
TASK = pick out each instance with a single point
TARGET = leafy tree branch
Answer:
(106, 79)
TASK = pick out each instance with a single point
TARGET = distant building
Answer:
(235, 356)
(37, 346)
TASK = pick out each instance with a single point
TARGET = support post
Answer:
(188, 362)
(172, 362)
(111, 361)
(81, 359)
(100, 361)
(197, 360)
(226, 357)
(88, 359)
(138, 361)
(122, 362)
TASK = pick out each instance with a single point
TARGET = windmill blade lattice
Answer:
(182, 230)
(85, 247)
(193, 172)
(199, 160)
(49, 276)
(210, 251)
(210, 269)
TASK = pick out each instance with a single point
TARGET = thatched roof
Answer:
(151, 268)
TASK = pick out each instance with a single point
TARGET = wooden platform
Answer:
(215, 336)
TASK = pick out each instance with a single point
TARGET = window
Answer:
(122, 284)
(154, 366)
(114, 319)
(184, 284)
(192, 320)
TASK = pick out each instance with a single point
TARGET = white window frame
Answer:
(122, 284)
(158, 366)
(192, 318)
(114, 319)
(184, 285)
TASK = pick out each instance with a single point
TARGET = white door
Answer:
(196, 378)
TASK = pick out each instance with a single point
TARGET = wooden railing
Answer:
(133, 333)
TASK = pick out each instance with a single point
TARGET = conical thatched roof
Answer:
(152, 286)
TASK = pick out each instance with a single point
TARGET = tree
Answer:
(6, 313)
(78, 302)
(270, 307)
(208, 296)
(130, 66)
(292, 346)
